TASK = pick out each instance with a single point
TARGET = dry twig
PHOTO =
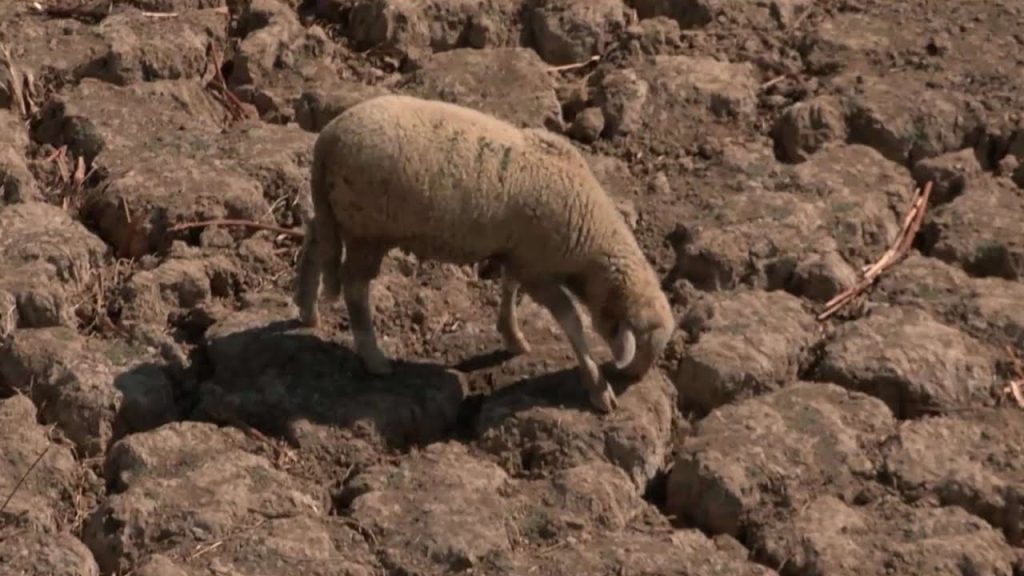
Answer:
(219, 86)
(24, 476)
(1014, 386)
(21, 102)
(574, 66)
(243, 223)
(200, 550)
(899, 249)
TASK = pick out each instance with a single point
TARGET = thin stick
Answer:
(900, 247)
(23, 477)
(1014, 386)
(774, 81)
(219, 85)
(243, 223)
(574, 66)
(17, 98)
(220, 541)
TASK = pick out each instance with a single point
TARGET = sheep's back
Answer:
(427, 175)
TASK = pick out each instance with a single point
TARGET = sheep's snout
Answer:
(649, 347)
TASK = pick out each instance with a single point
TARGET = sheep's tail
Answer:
(307, 283)
(328, 243)
(320, 255)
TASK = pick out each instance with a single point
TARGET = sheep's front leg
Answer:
(559, 304)
(508, 321)
(361, 266)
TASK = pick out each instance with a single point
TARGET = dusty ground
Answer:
(161, 414)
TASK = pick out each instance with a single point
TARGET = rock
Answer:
(806, 127)
(749, 462)
(315, 107)
(699, 13)
(865, 198)
(279, 58)
(411, 29)
(17, 184)
(96, 391)
(752, 343)
(530, 434)
(38, 554)
(688, 13)
(461, 525)
(587, 519)
(821, 277)
(657, 35)
(955, 461)
(588, 125)
(985, 308)
(173, 5)
(997, 303)
(569, 31)
(139, 48)
(926, 283)
(45, 259)
(190, 483)
(151, 295)
(979, 231)
(510, 83)
(907, 130)
(273, 374)
(37, 501)
(662, 552)
(52, 51)
(159, 565)
(912, 362)
(278, 159)
(166, 159)
(756, 239)
(621, 96)
(829, 536)
(726, 89)
(96, 117)
(950, 174)
(272, 34)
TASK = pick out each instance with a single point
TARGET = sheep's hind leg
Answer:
(361, 266)
(508, 320)
(559, 304)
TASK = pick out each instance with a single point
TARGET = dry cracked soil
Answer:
(162, 413)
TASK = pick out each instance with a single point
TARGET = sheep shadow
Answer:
(272, 375)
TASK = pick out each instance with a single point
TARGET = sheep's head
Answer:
(631, 314)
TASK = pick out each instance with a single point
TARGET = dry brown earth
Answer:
(163, 414)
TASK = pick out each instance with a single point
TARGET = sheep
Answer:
(452, 184)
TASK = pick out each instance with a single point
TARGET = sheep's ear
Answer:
(624, 346)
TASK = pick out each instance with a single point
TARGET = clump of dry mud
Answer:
(163, 414)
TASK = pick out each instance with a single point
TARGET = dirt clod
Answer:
(164, 413)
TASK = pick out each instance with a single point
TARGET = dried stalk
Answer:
(576, 65)
(901, 246)
(19, 105)
(243, 223)
(24, 476)
(219, 86)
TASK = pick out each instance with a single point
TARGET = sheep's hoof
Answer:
(604, 400)
(378, 365)
(309, 319)
(517, 346)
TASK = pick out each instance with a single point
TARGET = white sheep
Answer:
(452, 184)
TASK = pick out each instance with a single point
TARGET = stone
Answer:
(912, 362)
(749, 343)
